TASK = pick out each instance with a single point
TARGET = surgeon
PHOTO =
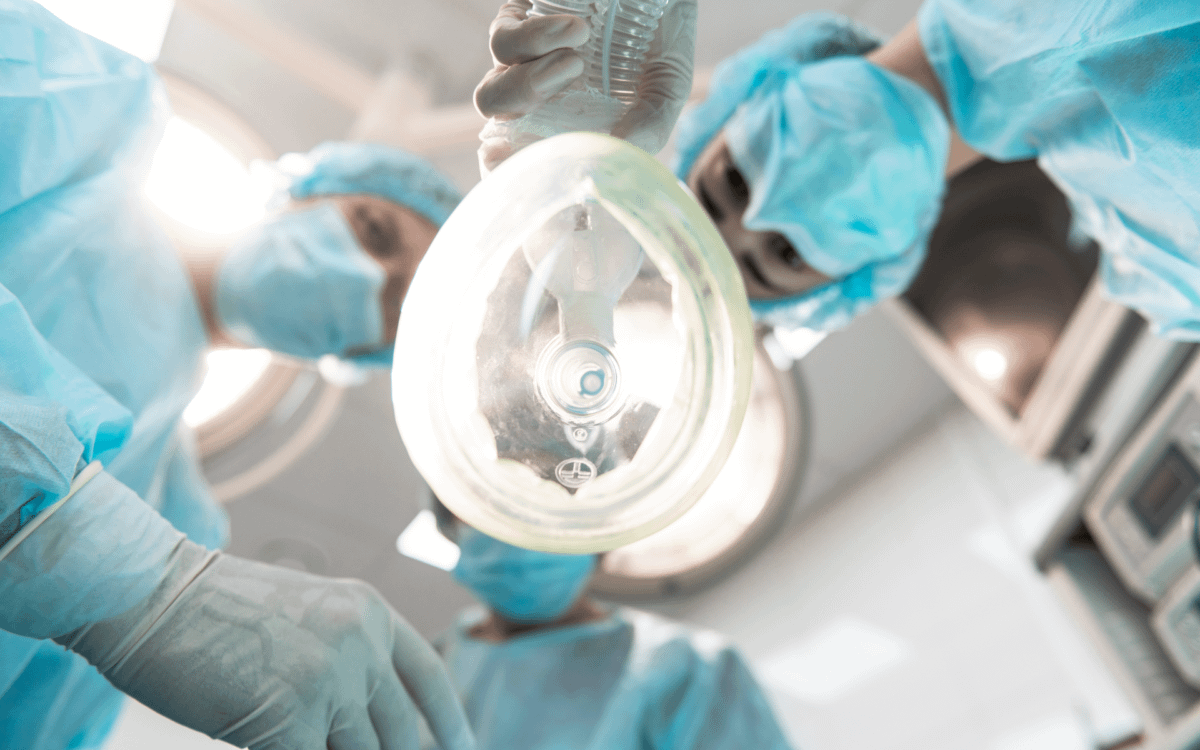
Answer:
(109, 582)
(821, 155)
(327, 272)
(544, 666)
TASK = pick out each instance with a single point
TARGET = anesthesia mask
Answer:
(577, 350)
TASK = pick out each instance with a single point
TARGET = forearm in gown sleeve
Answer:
(92, 557)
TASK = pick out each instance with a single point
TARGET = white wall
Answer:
(868, 388)
(440, 43)
(917, 563)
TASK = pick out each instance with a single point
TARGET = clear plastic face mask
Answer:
(578, 350)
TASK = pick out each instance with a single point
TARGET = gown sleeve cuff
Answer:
(98, 554)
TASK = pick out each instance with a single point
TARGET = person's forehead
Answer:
(717, 149)
(367, 200)
(350, 203)
(346, 199)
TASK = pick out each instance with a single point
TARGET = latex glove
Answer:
(666, 80)
(538, 57)
(259, 656)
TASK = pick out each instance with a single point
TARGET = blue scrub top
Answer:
(1105, 95)
(632, 681)
(81, 251)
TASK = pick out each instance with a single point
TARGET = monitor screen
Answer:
(1167, 487)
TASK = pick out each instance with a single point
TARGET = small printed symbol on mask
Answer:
(575, 472)
(580, 434)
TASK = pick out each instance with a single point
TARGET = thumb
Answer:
(649, 123)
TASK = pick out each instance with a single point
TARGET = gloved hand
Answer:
(265, 657)
(259, 656)
(537, 57)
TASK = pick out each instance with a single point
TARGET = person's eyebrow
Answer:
(736, 181)
(714, 211)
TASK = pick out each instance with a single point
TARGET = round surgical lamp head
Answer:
(1005, 308)
(745, 506)
(575, 351)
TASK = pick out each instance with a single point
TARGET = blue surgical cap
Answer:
(843, 158)
(813, 36)
(372, 169)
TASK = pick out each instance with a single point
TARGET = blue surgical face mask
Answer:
(301, 284)
(520, 584)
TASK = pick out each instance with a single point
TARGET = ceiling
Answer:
(304, 71)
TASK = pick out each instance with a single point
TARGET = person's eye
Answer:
(783, 250)
(737, 184)
(754, 271)
(709, 205)
(378, 232)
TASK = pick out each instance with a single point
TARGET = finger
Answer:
(492, 154)
(352, 730)
(516, 41)
(647, 126)
(429, 686)
(517, 10)
(516, 90)
(393, 715)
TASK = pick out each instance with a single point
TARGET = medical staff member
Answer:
(543, 666)
(821, 155)
(108, 581)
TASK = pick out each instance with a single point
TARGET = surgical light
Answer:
(422, 541)
(135, 26)
(201, 184)
(990, 363)
(578, 350)
(229, 375)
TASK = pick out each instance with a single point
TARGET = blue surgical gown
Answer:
(81, 252)
(633, 681)
(1106, 95)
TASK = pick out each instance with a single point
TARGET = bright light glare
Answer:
(198, 182)
(798, 342)
(422, 541)
(136, 26)
(1063, 732)
(990, 363)
(731, 504)
(230, 375)
(838, 658)
(649, 343)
